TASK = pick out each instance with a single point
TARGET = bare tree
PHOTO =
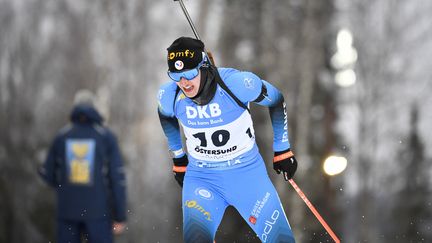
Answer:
(375, 109)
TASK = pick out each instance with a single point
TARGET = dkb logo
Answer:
(206, 111)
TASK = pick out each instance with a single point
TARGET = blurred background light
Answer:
(344, 39)
(334, 165)
(345, 78)
(346, 54)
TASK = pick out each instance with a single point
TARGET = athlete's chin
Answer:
(190, 93)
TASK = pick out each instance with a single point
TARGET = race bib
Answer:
(221, 143)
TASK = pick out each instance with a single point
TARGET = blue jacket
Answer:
(85, 166)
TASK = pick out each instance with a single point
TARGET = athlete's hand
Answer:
(179, 168)
(285, 162)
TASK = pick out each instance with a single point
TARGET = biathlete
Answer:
(222, 165)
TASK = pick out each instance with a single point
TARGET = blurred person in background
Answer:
(222, 166)
(85, 167)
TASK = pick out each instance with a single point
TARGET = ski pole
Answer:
(194, 30)
(314, 211)
(186, 13)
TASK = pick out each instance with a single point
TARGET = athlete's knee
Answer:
(197, 229)
(197, 234)
(199, 224)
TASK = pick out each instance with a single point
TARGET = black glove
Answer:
(284, 161)
(179, 168)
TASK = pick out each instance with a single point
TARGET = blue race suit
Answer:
(225, 166)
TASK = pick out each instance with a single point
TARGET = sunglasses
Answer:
(189, 74)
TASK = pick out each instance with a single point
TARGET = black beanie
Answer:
(184, 53)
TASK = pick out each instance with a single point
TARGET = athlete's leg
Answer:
(203, 209)
(257, 201)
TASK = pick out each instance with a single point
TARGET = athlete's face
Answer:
(190, 87)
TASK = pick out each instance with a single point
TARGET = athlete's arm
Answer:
(168, 121)
(171, 128)
(271, 97)
(283, 161)
(248, 87)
